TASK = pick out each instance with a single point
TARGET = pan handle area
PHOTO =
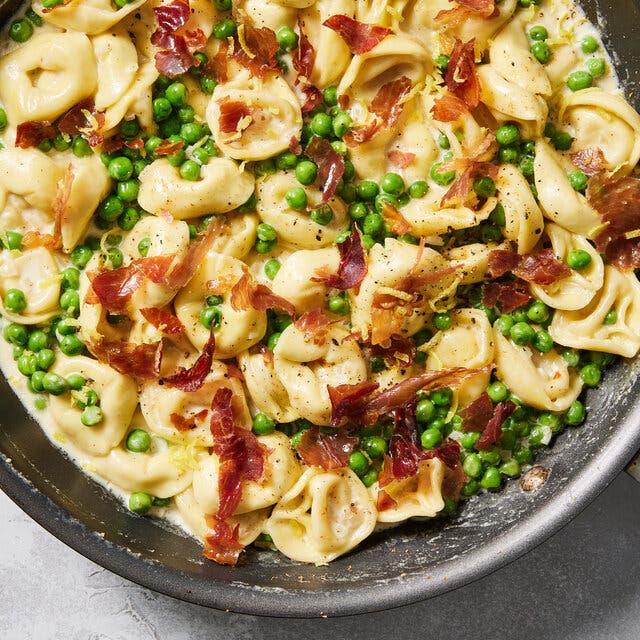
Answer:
(633, 468)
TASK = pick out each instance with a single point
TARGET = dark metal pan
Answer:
(414, 562)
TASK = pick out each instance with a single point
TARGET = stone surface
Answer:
(584, 583)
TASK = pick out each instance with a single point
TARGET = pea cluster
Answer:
(211, 314)
(21, 29)
(276, 324)
(595, 66)
(540, 50)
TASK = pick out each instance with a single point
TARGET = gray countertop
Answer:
(583, 583)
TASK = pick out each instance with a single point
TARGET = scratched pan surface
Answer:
(410, 563)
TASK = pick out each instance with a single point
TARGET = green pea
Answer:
(27, 364)
(54, 384)
(306, 172)
(541, 51)
(138, 441)
(120, 168)
(419, 189)
(16, 334)
(110, 208)
(211, 316)
(322, 125)
(224, 29)
(508, 440)
(272, 341)
(130, 128)
(140, 502)
(376, 364)
(504, 324)
(70, 299)
(368, 190)
(200, 156)
(3, 119)
(358, 463)
(20, 30)
(571, 357)
(127, 191)
(442, 397)
(490, 456)
(85, 397)
(271, 268)
(510, 468)
(392, 183)
(80, 147)
(13, 240)
(498, 391)
(339, 305)
(128, 219)
(443, 141)
(76, 381)
(213, 301)
(442, 321)
(578, 180)
(70, 279)
(71, 345)
(38, 340)
(266, 232)
(66, 326)
(562, 141)
(523, 455)
(176, 93)
(373, 224)
(91, 416)
(538, 312)
(296, 198)
(375, 446)
(470, 489)
(509, 155)
(35, 383)
(543, 341)
(596, 67)
(575, 414)
(611, 317)
(367, 241)
(469, 438)
(330, 96)
(143, 247)
(578, 259)
(579, 80)
(601, 359)
(287, 160)
(264, 167)
(526, 166)
(507, 134)
(265, 246)
(187, 114)
(15, 301)
(207, 84)
(538, 33)
(591, 375)
(115, 257)
(191, 132)
(341, 124)
(161, 109)
(550, 420)
(190, 170)
(287, 39)
(431, 438)
(425, 410)
(443, 179)
(522, 334)
(491, 479)
(484, 187)
(322, 215)
(472, 465)
(589, 44)
(442, 62)
(262, 424)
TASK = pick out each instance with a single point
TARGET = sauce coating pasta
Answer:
(286, 272)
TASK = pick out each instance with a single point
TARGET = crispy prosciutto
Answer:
(461, 188)
(451, 18)
(235, 115)
(590, 160)
(386, 106)
(360, 37)
(163, 319)
(314, 326)
(448, 108)
(34, 132)
(175, 57)
(193, 378)
(510, 294)
(241, 458)
(541, 267)
(168, 147)
(186, 423)
(349, 400)
(397, 222)
(397, 396)
(618, 203)
(476, 414)
(114, 288)
(304, 56)
(141, 361)
(216, 67)
(400, 159)
(255, 49)
(397, 350)
(353, 264)
(248, 294)
(327, 451)
(460, 77)
(330, 166)
(492, 431)
(83, 119)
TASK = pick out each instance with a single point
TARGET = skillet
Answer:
(413, 562)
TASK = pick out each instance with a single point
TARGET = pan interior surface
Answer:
(393, 568)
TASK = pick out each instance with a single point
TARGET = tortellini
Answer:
(118, 400)
(280, 472)
(605, 121)
(296, 227)
(324, 515)
(419, 495)
(35, 273)
(585, 328)
(559, 201)
(541, 380)
(47, 76)
(271, 116)
(239, 330)
(222, 186)
(305, 368)
(577, 290)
